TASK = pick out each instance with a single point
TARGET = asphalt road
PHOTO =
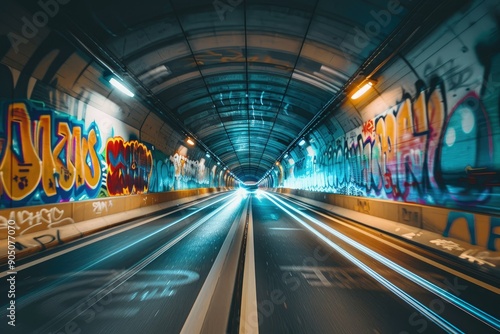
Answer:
(292, 270)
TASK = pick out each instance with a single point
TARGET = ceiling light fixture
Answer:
(363, 89)
(120, 86)
(207, 155)
(190, 141)
(302, 142)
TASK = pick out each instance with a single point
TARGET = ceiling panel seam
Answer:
(202, 77)
(313, 14)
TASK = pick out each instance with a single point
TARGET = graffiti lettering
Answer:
(447, 244)
(101, 206)
(407, 153)
(130, 165)
(479, 257)
(189, 173)
(28, 221)
(34, 159)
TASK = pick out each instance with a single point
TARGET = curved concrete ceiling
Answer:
(245, 78)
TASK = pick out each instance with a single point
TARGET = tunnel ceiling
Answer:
(244, 77)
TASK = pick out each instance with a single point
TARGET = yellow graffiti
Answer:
(92, 174)
(20, 171)
(63, 167)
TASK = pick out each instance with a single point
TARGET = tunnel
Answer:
(250, 166)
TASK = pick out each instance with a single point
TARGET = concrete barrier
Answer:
(37, 228)
(473, 228)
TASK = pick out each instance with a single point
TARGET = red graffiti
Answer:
(129, 167)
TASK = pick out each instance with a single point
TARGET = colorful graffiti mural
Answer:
(420, 151)
(130, 166)
(48, 156)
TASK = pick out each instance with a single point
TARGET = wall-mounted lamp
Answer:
(190, 141)
(363, 88)
(118, 84)
(302, 142)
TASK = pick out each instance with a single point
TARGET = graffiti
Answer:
(41, 241)
(412, 235)
(162, 177)
(189, 173)
(101, 206)
(454, 75)
(447, 244)
(362, 206)
(479, 257)
(50, 149)
(409, 152)
(470, 222)
(129, 167)
(410, 217)
(48, 153)
(29, 221)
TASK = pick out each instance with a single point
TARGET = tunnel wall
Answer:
(429, 132)
(66, 135)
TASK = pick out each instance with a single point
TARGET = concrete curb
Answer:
(477, 257)
(41, 240)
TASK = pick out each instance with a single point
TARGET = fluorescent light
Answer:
(362, 90)
(302, 142)
(118, 85)
(190, 141)
(286, 156)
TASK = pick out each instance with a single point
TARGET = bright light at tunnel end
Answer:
(242, 193)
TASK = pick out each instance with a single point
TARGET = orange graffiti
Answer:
(30, 157)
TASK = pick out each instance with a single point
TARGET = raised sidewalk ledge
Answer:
(41, 240)
(478, 257)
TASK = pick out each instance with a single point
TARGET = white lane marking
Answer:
(126, 275)
(444, 294)
(249, 320)
(285, 229)
(411, 253)
(54, 255)
(430, 314)
(194, 321)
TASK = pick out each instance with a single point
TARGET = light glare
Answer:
(118, 85)
(362, 90)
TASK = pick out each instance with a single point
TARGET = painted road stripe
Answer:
(470, 309)
(54, 255)
(430, 314)
(285, 229)
(196, 318)
(411, 253)
(93, 298)
(249, 320)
